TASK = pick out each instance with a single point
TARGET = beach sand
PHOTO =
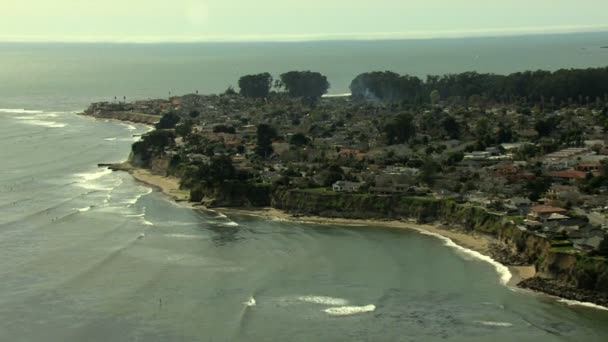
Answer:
(167, 185)
(469, 240)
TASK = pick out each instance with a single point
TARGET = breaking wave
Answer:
(502, 270)
(20, 111)
(323, 300)
(350, 310)
(185, 236)
(494, 324)
(250, 302)
(584, 304)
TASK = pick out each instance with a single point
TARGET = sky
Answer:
(290, 20)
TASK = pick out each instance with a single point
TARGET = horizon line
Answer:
(296, 38)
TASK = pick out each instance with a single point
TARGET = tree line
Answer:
(308, 85)
(565, 86)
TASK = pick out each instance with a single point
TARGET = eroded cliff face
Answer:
(123, 116)
(579, 277)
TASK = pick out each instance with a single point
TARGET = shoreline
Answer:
(466, 242)
(472, 243)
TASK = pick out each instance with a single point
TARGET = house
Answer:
(565, 158)
(346, 186)
(588, 244)
(517, 205)
(568, 176)
(588, 167)
(543, 212)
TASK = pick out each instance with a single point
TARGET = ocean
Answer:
(92, 255)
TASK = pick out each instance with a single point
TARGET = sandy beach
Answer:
(168, 185)
(469, 240)
(473, 241)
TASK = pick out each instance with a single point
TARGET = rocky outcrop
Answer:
(105, 112)
(556, 288)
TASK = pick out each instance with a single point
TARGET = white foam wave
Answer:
(146, 222)
(93, 175)
(185, 236)
(350, 310)
(34, 122)
(131, 127)
(134, 200)
(584, 304)
(323, 300)
(110, 139)
(494, 324)
(250, 302)
(337, 95)
(48, 115)
(20, 111)
(502, 270)
(231, 224)
(85, 209)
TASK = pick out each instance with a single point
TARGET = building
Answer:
(346, 186)
(543, 212)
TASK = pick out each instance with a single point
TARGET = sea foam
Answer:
(584, 304)
(494, 324)
(502, 270)
(323, 300)
(20, 111)
(350, 310)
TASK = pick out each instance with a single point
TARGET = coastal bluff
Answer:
(572, 276)
(120, 111)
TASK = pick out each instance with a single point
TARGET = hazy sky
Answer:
(192, 20)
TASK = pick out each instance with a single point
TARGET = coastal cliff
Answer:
(120, 112)
(559, 273)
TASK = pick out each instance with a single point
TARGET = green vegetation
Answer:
(255, 86)
(400, 130)
(152, 144)
(168, 120)
(265, 135)
(543, 87)
(305, 84)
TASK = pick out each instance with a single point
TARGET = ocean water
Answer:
(69, 76)
(91, 255)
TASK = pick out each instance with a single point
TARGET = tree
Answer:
(400, 130)
(428, 171)
(194, 113)
(435, 97)
(305, 84)
(387, 87)
(451, 127)
(265, 136)
(230, 91)
(224, 129)
(168, 121)
(298, 139)
(256, 86)
(603, 248)
(184, 129)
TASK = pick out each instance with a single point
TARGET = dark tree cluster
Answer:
(265, 135)
(305, 84)
(255, 86)
(224, 129)
(388, 87)
(167, 121)
(582, 86)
